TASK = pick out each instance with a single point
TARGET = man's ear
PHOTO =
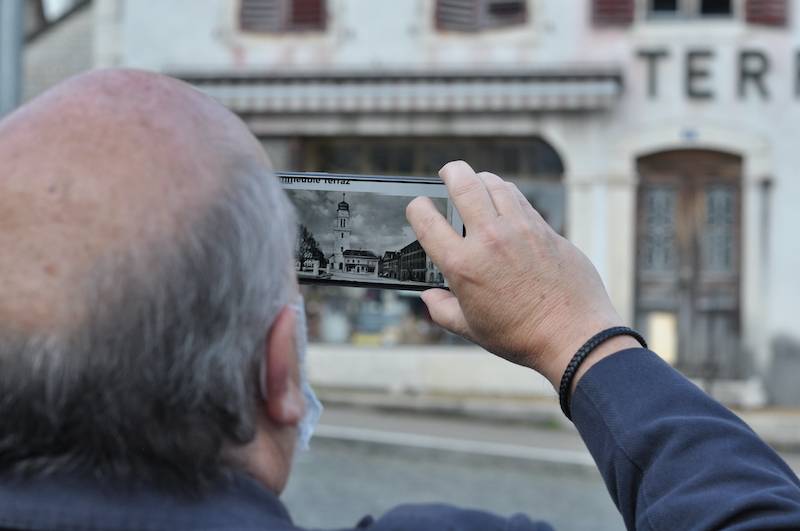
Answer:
(284, 398)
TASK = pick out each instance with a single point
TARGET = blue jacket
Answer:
(672, 458)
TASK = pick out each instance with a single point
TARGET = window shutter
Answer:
(308, 14)
(457, 15)
(613, 12)
(767, 12)
(262, 15)
(269, 16)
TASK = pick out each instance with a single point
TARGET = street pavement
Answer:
(366, 461)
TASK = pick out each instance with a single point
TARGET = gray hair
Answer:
(160, 380)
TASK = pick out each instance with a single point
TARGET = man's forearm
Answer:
(672, 457)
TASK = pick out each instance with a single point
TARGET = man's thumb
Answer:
(446, 311)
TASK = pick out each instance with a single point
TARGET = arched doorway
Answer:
(688, 263)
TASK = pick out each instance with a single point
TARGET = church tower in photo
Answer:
(341, 231)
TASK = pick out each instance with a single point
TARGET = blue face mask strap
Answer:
(313, 407)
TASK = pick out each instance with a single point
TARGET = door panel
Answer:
(688, 266)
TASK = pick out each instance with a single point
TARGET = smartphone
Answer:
(353, 229)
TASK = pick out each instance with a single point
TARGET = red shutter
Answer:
(767, 12)
(308, 14)
(272, 16)
(613, 12)
(457, 15)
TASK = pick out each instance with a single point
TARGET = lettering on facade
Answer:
(753, 70)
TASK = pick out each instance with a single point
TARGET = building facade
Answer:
(387, 267)
(412, 263)
(659, 136)
(360, 262)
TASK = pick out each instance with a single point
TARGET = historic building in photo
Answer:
(341, 236)
(388, 264)
(344, 259)
(659, 136)
(413, 262)
(361, 262)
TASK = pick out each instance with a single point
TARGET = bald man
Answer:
(152, 335)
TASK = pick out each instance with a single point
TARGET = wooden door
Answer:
(688, 259)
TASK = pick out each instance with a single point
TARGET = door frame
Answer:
(758, 167)
(687, 286)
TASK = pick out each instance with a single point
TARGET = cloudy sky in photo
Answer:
(377, 222)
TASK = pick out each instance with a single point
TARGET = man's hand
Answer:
(518, 289)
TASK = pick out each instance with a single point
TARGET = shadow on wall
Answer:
(781, 381)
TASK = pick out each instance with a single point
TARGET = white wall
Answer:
(599, 150)
(203, 34)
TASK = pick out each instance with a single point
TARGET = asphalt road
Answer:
(386, 459)
(367, 461)
(338, 482)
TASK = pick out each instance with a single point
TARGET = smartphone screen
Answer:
(353, 229)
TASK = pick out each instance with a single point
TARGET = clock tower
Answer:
(341, 231)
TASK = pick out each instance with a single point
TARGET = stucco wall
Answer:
(599, 149)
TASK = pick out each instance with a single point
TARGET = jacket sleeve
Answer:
(440, 517)
(672, 457)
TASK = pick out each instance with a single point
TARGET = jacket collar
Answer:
(75, 502)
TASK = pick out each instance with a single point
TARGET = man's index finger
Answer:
(435, 234)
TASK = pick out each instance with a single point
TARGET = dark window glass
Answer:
(498, 13)
(664, 6)
(380, 158)
(715, 7)
(532, 163)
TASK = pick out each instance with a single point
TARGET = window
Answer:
(715, 7)
(620, 13)
(665, 6)
(690, 8)
(477, 15)
(387, 317)
(277, 16)
(532, 163)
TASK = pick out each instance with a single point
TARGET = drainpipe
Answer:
(11, 30)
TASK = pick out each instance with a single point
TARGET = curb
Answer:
(779, 428)
(538, 413)
(547, 456)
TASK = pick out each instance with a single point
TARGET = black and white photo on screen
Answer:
(352, 229)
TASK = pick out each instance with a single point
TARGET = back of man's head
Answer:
(145, 251)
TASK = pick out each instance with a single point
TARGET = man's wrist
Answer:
(564, 341)
(559, 359)
(603, 350)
